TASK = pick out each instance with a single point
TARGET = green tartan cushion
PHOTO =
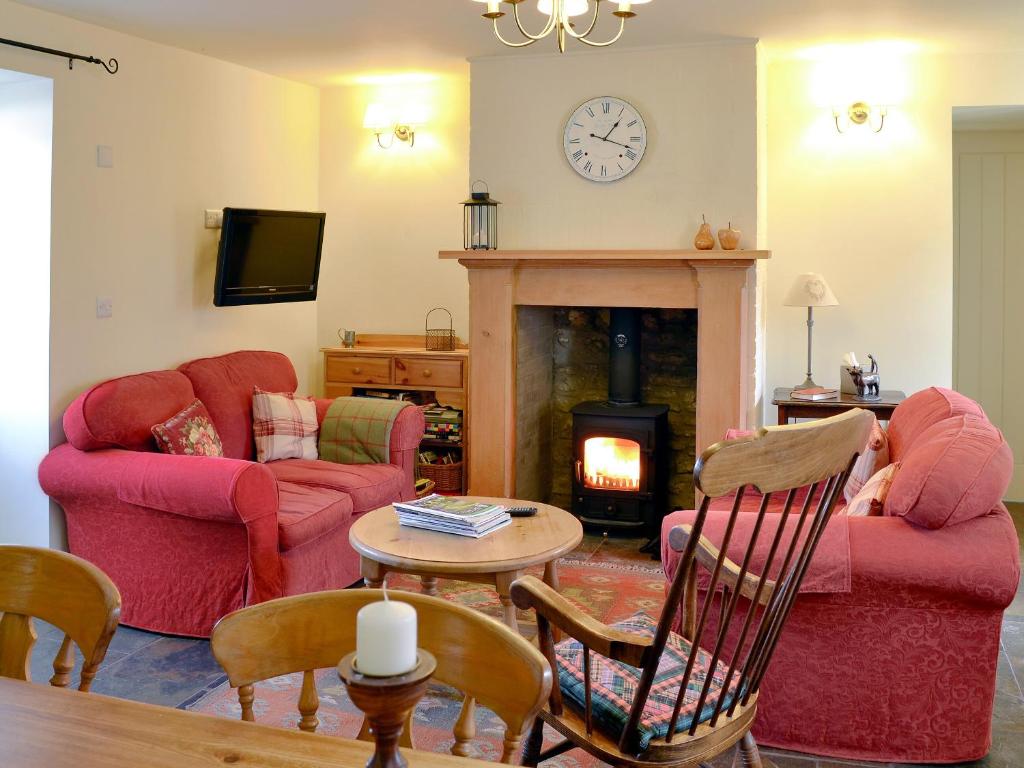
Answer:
(614, 683)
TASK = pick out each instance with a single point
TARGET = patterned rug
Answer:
(609, 591)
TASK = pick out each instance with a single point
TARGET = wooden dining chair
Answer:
(482, 658)
(61, 589)
(637, 693)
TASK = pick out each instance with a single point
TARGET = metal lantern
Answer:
(480, 224)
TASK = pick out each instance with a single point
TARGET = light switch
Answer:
(104, 308)
(104, 156)
(214, 218)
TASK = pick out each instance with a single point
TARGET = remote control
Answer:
(522, 511)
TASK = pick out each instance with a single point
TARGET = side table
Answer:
(820, 409)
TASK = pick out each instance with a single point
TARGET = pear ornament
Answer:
(704, 241)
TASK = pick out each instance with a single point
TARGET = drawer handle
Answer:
(357, 371)
(426, 373)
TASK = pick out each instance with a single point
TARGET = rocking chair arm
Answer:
(530, 592)
(707, 555)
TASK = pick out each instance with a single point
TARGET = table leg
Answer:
(428, 585)
(503, 583)
(783, 418)
(551, 579)
(373, 572)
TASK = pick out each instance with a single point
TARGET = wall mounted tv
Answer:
(267, 257)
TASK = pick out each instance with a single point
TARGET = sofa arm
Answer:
(225, 490)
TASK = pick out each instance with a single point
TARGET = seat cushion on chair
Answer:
(370, 485)
(614, 684)
(307, 513)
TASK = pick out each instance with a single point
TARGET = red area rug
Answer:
(607, 590)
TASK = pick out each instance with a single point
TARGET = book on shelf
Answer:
(453, 515)
(814, 393)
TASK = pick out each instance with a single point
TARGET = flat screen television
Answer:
(267, 257)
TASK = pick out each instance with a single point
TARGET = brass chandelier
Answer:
(560, 13)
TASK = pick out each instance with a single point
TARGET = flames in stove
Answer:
(611, 462)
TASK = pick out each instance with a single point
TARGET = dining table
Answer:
(46, 727)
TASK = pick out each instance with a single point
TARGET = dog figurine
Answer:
(867, 383)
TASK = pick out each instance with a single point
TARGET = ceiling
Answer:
(325, 41)
(1008, 118)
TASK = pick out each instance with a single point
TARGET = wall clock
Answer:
(605, 139)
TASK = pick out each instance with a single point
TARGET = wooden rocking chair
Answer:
(652, 696)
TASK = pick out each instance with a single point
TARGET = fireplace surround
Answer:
(720, 285)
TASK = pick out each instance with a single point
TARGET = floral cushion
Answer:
(189, 432)
(284, 426)
(614, 684)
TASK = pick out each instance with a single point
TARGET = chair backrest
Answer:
(485, 660)
(773, 461)
(63, 590)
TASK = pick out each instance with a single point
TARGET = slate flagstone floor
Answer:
(175, 671)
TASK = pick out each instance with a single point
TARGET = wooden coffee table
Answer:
(498, 558)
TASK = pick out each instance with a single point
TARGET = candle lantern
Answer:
(480, 224)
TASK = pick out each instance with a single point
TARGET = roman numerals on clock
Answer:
(605, 139)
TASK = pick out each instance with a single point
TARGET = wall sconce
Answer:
(397, 125)
(860, 113)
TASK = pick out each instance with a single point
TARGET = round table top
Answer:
(526, 542)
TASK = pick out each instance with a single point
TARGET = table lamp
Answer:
(810, 290)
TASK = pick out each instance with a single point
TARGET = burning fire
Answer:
(610, 462)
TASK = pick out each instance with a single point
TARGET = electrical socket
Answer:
(214, 218)
(104, 307)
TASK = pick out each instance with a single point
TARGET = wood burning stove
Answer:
(620, 446)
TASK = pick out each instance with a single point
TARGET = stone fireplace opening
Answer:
(611, 437)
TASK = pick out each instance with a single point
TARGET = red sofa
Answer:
(892, 657)
(189, 539)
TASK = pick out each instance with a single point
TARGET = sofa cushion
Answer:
(189, 432)
(283, 426)
(614, 684)
(956, 470)
(225, 385)
(369, 485)
(869, 501)
(873, 459)
(120, 413)
(307, 513)
(920, 411)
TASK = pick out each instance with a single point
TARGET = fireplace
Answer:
(620, 446)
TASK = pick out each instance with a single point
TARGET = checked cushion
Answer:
(614, 683)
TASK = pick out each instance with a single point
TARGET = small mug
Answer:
(348, 338)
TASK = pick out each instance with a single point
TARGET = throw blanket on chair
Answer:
(357, 430)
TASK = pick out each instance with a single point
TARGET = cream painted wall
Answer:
(871, 212)
(26, 151)
(699, 104)
(390, 211)
(188, 133)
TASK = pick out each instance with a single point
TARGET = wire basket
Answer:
(439, 339)
(448, 477)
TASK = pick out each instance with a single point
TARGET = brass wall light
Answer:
(384, 121)
(860, 113)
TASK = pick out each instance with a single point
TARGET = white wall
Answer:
(188, 133)
(390, 211)
(26, 128)
(871, 212)
(699, 104)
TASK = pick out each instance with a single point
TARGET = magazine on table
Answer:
(452, 507)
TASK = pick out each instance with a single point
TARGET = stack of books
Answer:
(814, 393)
(443, 423)
(452, 515)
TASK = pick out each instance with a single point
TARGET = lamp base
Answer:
(808, 384)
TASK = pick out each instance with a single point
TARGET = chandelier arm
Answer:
(550, 25)
(593, 23)
(622, 28)
(509, 43)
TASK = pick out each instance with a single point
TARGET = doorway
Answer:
(26, 152)
(988, 273)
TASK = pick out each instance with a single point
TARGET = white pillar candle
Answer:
(386, 639)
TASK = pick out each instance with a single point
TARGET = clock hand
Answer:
(612, 141)
(605, 137)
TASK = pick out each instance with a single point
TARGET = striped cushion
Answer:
(284, 426)
(614, 684)
(873, 458)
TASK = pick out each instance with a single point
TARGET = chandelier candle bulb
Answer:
(386, 639)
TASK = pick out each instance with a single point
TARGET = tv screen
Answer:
(268, 256)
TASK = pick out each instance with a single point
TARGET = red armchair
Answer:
(892, 656)
(189, 539)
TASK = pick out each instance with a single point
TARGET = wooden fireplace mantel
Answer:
(720, 285)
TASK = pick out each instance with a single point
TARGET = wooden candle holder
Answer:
(386, 702)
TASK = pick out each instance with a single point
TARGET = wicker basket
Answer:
(448, 477)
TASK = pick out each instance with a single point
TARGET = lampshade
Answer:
(810, 290)
(378, 117)
(572, 7)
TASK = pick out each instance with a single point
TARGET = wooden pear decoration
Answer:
(704, 241)
(729, 238)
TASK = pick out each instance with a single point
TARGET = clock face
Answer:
(605, 139)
